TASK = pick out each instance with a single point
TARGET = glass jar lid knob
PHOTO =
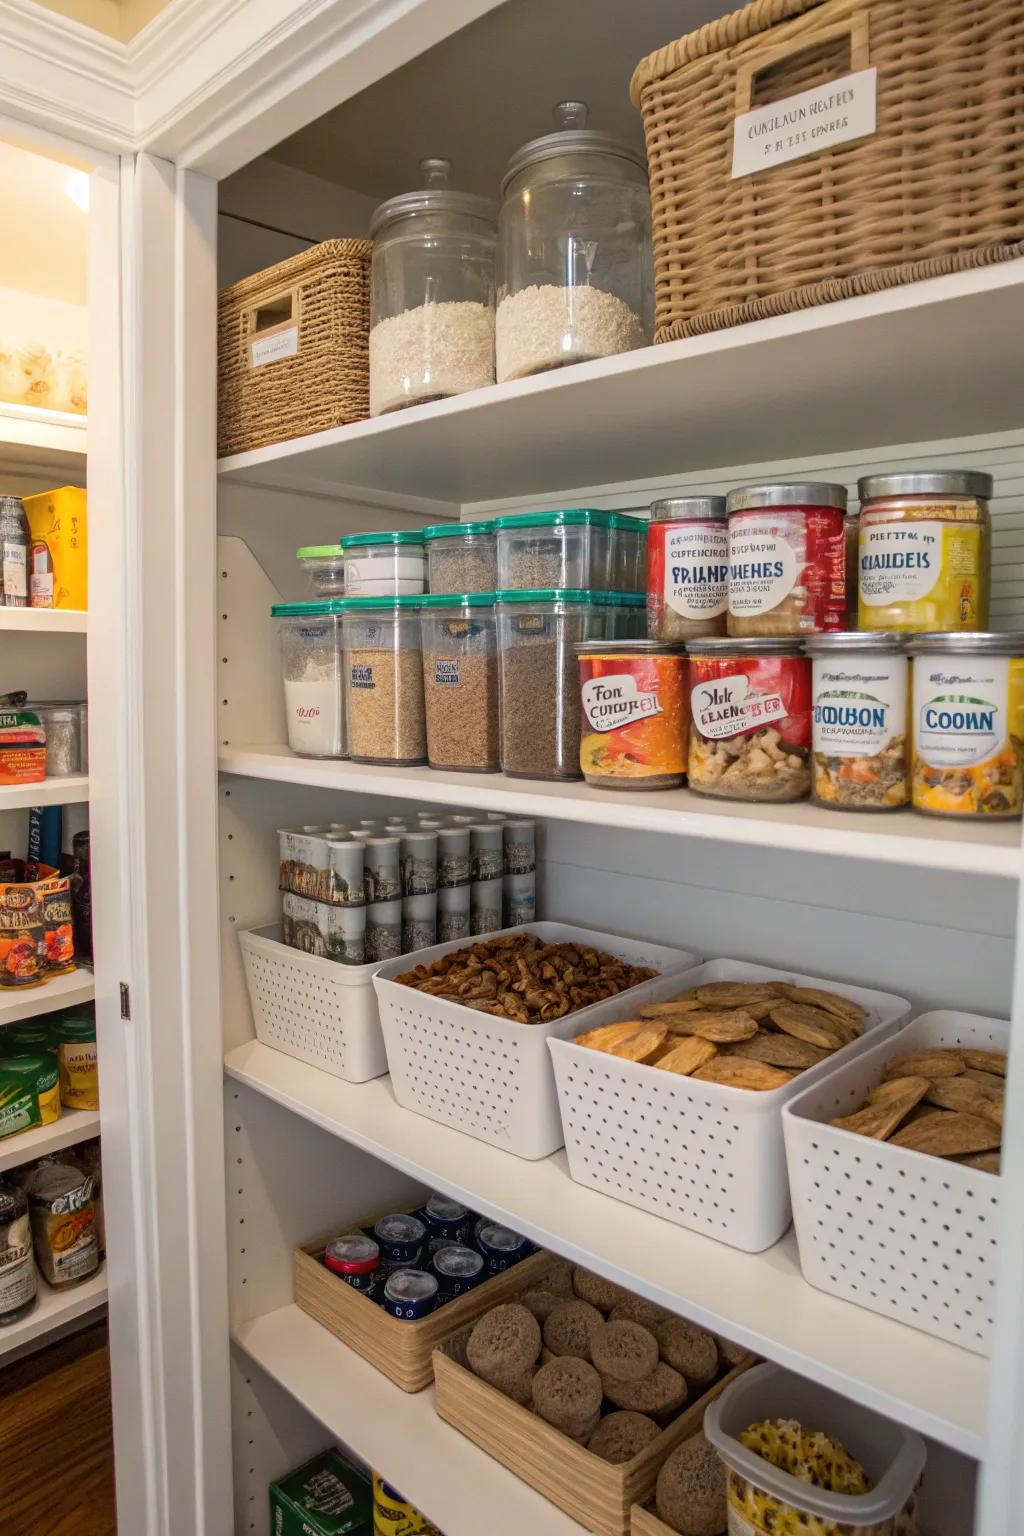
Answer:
(571, 114)
(436, 173)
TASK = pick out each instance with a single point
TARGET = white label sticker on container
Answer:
(728, 707)
(960, 709)
(860, 705)
(762, 562)
(831, 114)
(899, 562)
(446, 672)
(697, 570)
(15, 570)
(270, 349)
(612, 701)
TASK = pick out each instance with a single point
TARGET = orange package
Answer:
(636, 714)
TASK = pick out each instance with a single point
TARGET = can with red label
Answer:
(635, 714)
(750, 733)
(687, 568)
(787, 559)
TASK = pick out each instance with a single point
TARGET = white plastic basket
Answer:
(700, 1154)
(903, 1233)
(318, 1010)
(492, 1077)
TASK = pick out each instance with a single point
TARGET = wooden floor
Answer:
(56, 1441)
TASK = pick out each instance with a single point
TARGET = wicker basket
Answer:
(936, 189)
(292, 347)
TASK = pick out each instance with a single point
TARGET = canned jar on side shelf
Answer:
(968, 725)
(461, 557)
(687, 568)
(924, 551)
(635, 710)
(384, 680)
(750, 730)
(859, 726)
(460, 681)
(540, 695)
(311, 665)
(787, 559)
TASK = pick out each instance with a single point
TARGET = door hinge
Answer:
(126, 1001)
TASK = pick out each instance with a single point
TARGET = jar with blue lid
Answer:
(312, 669)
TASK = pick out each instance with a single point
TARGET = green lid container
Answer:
(567, 517)
(394, 536)
(75, 1029)
(318, 610)
(395, 604)
(459, 600)
(319, 552)
(30, 1037)
(38, 1073)
(456, 530)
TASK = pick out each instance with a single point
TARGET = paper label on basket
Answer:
(831, 114)
(270, 349)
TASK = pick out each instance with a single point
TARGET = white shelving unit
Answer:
(73, 790)
(44, 621)
(55, 440)
(74, 1126)
(56, 1312)
(62, 992)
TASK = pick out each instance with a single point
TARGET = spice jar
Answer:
(575, 275)
(859, 722)
(787, 560)
(384, 680)
(385, 564)
(968, 725)
(635, 714)
(311, 663)
(574, 548)
(63, 726)
(461, 557)
(924, 551)
(540, 696)
(750, 730)
(432, 293)
(460, 681)
(323, 565)
(687, 568)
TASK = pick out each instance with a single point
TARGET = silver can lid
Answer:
(502, 1239)
(789, 493)
(855, 640)
(353, 1248)
(410, 1285)
(400, 1229)
(927, 482)
(444, 1208)
(571, 137)
(970, 643)
(458, 1261)
(435, 196)
(628, 648)
(709, 509)
(765, 645)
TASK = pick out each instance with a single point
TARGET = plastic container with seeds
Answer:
(385, 564)
(859, 739)
(787, 559)
(311, 662)
(629, 571)
(461, 557)
(687, 568)
(967, 727)
(384, 680)
(626, 617)
(750, 731)
(323, 565)
(460, 681)
(924, 555)
(576, 548)
(540, 696)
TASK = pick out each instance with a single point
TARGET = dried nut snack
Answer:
(985, 1061)
(987, 1079)
(881, 1119)
(961, 1093)
(736, 1072)
(988, 1162)
(686, 1003)
(722, 1025)
(778, 1050)
(931, 1064)
(809, 1024)
(948, 1133)
(607, 1036)
(686, 1056)
(831, 1002)
(892, 1088)
(734, 994)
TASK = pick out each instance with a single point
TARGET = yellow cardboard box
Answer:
(59, 559)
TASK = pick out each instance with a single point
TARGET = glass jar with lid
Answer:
(787, 558)
(687, 568)
(860, 753)
(575, 272)
(923, 551)
(967, 726)
(432, 293)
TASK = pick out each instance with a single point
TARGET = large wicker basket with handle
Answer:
(293, 347)
(935, 189)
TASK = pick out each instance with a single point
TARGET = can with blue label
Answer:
(458, 1270)
(501, 1247)
(401, 1240)
(410, 1294)
(447, 1220)
(355, 1258)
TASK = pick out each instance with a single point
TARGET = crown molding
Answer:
(64, 77)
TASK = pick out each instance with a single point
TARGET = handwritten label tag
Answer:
(801, 125)
(270, 349)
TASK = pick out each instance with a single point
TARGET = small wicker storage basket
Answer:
(936, 189)
(317, 307)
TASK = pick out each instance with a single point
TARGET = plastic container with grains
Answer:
(540, 696)
(384, 680)
(460, 681)
(687, 568)
(575, 548)
(385, 564)
(311, 662)
(323, 565)
(461, 557)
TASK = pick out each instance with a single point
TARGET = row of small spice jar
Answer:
(785, 559)
(838, 717)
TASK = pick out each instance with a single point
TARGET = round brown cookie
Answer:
(519, 1388)
(690, 1494)
(540, 1302)
(621, 1436)
(732, 1354)
(688, 1349)
(663, 1391)
(504, 1343)
(570, 1328)
(602, 1294)
(567, 1393)
(624, 1351)
(637, 1309)
(558, 1279)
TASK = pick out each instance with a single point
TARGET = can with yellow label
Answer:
(395, 1516)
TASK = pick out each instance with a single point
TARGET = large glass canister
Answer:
(575, 272)
(432, 293)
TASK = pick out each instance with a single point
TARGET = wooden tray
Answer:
(643, 1521)
(402, 1350)
(597, 1493)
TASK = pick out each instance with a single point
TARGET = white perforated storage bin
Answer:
(492, 1077)
(904, 1233)
(318, 1010)
(700, 1154)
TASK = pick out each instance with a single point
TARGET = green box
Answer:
(326, 1497)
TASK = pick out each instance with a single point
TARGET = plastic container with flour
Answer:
(311, 665)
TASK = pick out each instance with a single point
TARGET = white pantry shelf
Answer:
(44, 621)
(55, 1311)
(447, 1477)
(74, 1126)
(903, 838)
(920, 362)
(73, 790)
(760, 1300)
(62, 992)
(54, 440)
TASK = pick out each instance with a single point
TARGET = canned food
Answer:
(787, 559)
(446, 1218)
(410, 1294)
(923, 551)
(29, 1093)
(635, 714)
(750, 736)
(859, 722)
(401, 1239)
(458, 1270)
(500, 1247)
(687, 568)
(393, 1515)
(356, 1258)
(968, 725)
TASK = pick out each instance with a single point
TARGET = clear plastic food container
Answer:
(391, 564)
(540, 697)
(62, 722)
(575, 549)
(630, 570)
(311, 665)
(384, 680)
(626, 616)
(324, 568)
(460, 680)
(461, 557)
